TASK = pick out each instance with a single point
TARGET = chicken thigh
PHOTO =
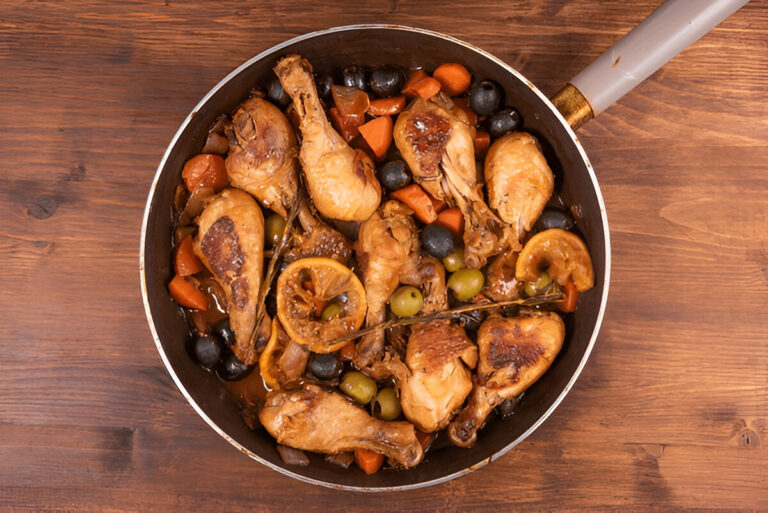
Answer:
(262, 155)
(230, 243)
(514, 353)
(315, 419)
(519, 180)
(341, 180)
(387, 244)
(438, 146)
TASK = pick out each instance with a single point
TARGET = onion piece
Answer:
(343, 459)
(291, 456)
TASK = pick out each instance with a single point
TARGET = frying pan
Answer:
(670, 29)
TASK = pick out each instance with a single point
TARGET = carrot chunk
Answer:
(369, 461)
(186, 262)
(417, 76)
(347, 352)
(427, 87)
(383, 106)
(482, 143)
(378, 134)
(453, 77)
(205, 170)
(568, 304)
(419, 201)
(185, 294)
(453, 220)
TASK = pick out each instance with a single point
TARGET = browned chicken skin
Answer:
(230, 243)
(519, 180)
(438, 146)
(387, 243)
(262, 155)
(514, 353)
(341, 180)
(315, 419)
(439, 380)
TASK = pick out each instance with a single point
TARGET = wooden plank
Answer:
(671, 411)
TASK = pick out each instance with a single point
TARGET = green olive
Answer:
(454, 261)
(386, 406)
(534, 287)
(466, 283)
(330, 311)
(358, 386)
(274, 227)
(406, 301)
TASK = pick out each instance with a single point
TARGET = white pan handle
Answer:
(669, 30)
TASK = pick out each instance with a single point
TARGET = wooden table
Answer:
(672, 409)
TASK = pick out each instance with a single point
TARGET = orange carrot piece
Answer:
(369, 461)
(383, 106)
(186, 262)
(453, 77)
(568, 304)
(185, 294)
(419, 201)
(425, 439)
(453, 220)
(417, 76)
(463, 105)
(347, 126)
(437, 203)
(427, 87)
(378, 134)
(482, 143)
(205, 170)
(347, 352)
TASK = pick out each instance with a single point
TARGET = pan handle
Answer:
(670, 29)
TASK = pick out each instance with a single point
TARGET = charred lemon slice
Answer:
(282, 360)
(562, 254)
(305, 288)
(267, 360)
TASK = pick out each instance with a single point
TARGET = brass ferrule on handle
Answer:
(573, 106)
(666, 32)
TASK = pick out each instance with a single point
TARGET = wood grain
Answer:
(670, 413)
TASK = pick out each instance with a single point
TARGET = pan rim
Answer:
(337, 486)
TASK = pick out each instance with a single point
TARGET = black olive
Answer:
(484, 97)
(394, 175)
(232, 369)
(223, 330)
(207, 351)
(325, 366)
(437, 241)
(503, 122)
(387, 80)
(276, 93)
(472, 320)
(553, 217)
(324, 81)
(354, 76)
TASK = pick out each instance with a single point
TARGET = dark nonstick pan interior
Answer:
(335, 49)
